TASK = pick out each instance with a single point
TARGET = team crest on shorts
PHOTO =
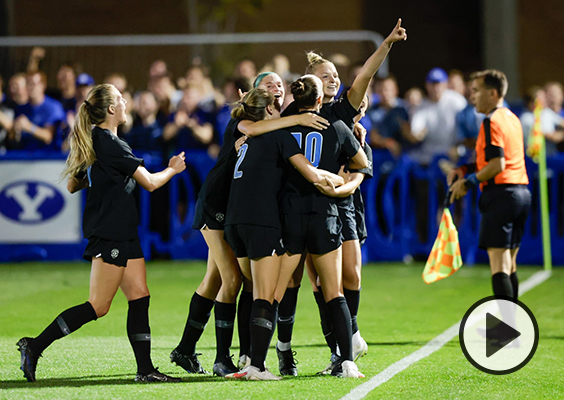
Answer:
(114, 253)
(219, 217)
(282, 243)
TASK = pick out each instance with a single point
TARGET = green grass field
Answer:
(398, 315)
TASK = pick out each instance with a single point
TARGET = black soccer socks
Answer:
(224, 322)
(515, 284)
(287, 314)
(139, 334)
(198, 317)
(67, 322)
(325, 316)
(341, 321)
(263, 317)
(353, 301)
(502, 285)
(244, 322)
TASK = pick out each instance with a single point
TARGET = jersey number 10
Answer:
(313, 146)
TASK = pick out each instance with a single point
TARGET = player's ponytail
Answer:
(306, 91)
(314, 60)
(253, 106)
(92, 111)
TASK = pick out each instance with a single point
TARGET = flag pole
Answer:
(545, 221)
(537, 151)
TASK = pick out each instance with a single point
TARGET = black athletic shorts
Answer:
(348, 219)
(254, 241)
(359, 213)
(112, 252)
(316, 233)
(204, 216)
(504, 210)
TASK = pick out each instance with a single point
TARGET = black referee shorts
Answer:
(204, 216)
(254, 241)
(113, 252)
(348, 219)
(504, 210)
(318, 233)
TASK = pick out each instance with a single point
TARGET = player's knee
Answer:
(101, 309)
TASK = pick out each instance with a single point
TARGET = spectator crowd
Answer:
(172, 114)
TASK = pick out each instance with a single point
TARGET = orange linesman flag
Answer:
(445, 258)
(536, 138)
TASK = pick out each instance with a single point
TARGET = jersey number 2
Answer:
(313, 146)
(240, 157)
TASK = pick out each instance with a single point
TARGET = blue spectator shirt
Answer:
(48, 113)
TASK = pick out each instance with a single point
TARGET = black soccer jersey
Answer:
(110, 211)
(257, 179)
(215, 190)
(326, 150)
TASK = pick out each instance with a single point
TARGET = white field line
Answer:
(435, 344)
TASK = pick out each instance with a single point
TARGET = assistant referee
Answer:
(500, 172)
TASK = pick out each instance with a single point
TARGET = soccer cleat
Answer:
(28, 358)
(287, 362)
(155, 376)
(224, 367)
(360, 347)
(189, 363)
(252, 373)
(350, 370)
(334, 363)
(244, 361)
(347, 369)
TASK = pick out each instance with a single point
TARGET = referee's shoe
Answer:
(189, 363)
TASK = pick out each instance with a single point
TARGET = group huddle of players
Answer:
(283, 194)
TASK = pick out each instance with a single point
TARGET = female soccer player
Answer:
(252, 226)
(104, 163)
(311, 221)
(223, 277)
(345, 109)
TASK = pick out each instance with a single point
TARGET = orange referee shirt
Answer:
(501, 135)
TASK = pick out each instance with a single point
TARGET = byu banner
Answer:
(34, 206)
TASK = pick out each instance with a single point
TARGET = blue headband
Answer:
(260, 77)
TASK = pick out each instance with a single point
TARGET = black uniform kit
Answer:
(310, 220)
(252, 226)
(358, 202)
(214, 194)
(110, 214)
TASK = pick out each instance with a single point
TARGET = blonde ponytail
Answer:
(92, 112)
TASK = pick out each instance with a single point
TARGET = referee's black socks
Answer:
(286, 318)
(67, 322)
(515, 283)
(139, 334)
(341, 321)
(198, 317)
(263, 316)
(224, 322)
(502, 285)
(244, 322)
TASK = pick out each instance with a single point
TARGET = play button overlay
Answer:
(499, 336)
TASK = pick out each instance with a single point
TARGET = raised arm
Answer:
(256, 128)
(313, 174)
(362, 80)
(152, 182)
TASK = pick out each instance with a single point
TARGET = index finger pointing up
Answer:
(399, 23)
